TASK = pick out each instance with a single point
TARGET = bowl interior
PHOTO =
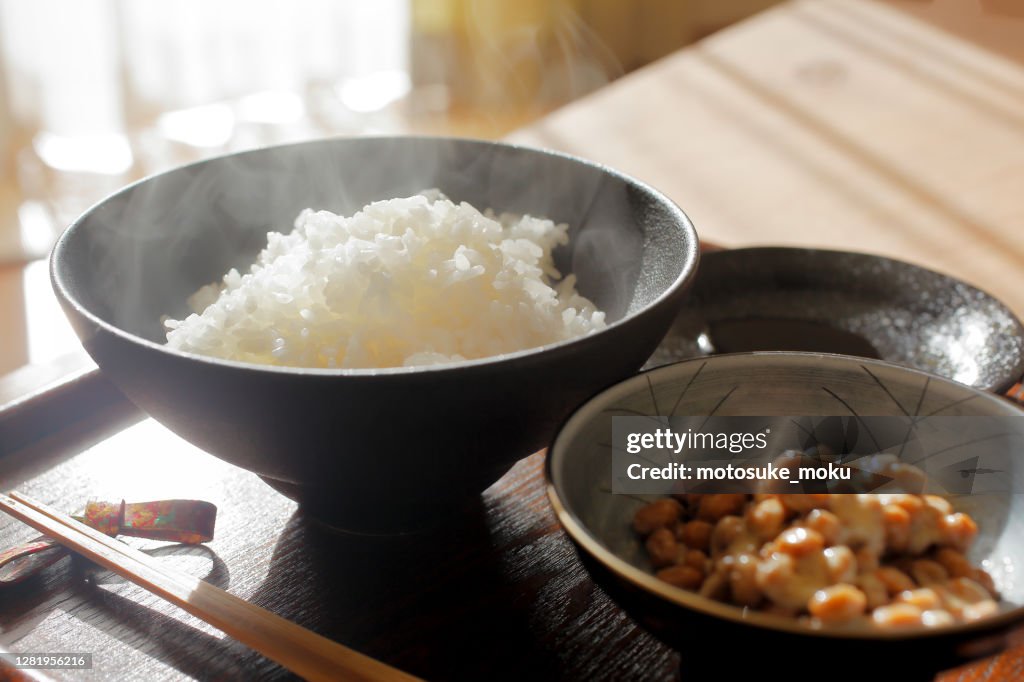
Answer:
(772, 298)
(765, 384)
(139, 254)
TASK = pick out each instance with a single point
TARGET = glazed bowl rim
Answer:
(1007, 379)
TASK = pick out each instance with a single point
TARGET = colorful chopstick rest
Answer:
(188, 521)
(185, 521)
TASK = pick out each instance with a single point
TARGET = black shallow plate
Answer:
(776, 298)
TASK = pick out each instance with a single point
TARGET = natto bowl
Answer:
(598, 522)
(371, 450)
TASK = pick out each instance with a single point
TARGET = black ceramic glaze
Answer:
(371, 449)
(776, 298)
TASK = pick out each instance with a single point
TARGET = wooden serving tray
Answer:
(500, 594)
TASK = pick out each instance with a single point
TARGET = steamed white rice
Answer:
(414, 281)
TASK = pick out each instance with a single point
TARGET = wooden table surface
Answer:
(837, 123)
(840, 124)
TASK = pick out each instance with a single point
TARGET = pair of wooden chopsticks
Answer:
(303, 652)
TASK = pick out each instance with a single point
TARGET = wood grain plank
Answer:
(805, 126)
(496, 594)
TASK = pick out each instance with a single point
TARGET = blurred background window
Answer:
(97, 93)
